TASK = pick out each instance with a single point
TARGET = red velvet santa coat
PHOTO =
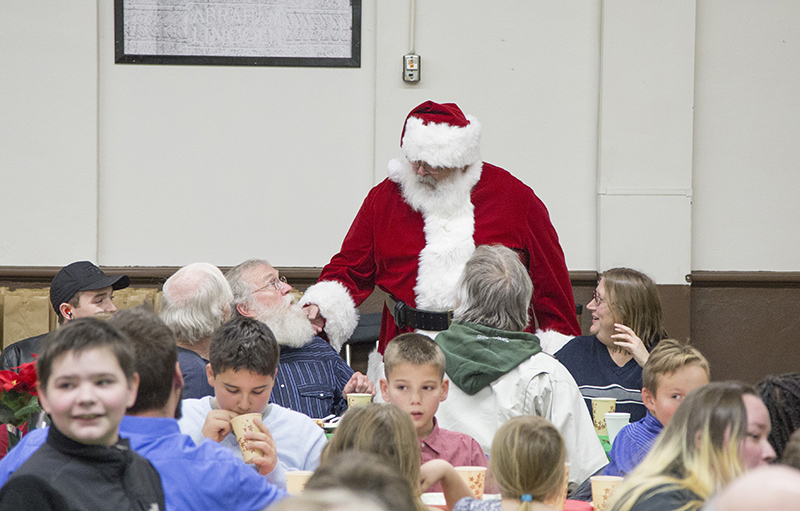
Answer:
(418, 256)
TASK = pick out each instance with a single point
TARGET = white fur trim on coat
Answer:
(442, 145)
(337, 307)
(552, 341)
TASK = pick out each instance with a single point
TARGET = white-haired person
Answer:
(196, 301)
(499, 371)
(312, 378)
(718, 432)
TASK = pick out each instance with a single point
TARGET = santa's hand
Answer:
(217, 424)
(358, 384)
(262, 440)
(626, 338)
(316, 319)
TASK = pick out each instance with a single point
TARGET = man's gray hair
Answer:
(194, 301)
(495, 290)
(242, 290)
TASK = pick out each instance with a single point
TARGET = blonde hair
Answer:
(382, 429)
(633, 299)
(669, 356)
(699, 450)
(415, 349)
(528, 456)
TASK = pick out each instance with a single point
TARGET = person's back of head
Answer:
(414, 349)
(774, 488)
(700, 450)
(196, 301)
(156, 355)
(329, 500)
(365, 474)
(781, 395)
(676, 369)
(791, 453)
(383, 429)
(528, 456)
(495, 289)
(633, 299)
(244, 344)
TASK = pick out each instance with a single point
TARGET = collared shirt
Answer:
(631, 445)
(310, 380)
(458, 449)
(298, 439)
(205, 476)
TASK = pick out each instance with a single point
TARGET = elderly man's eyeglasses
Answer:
(416, 165)
(276, 283)
(597, 298)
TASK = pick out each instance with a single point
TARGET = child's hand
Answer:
(218, 424)
(627, 339)
(453, 487)
(262, 440)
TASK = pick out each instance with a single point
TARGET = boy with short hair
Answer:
(414, 366)
(243, 362)
(86, 382)
(673, 370)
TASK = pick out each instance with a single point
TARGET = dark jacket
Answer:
(21, 352)
(67, 475)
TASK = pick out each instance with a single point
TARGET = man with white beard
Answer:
(312, 378)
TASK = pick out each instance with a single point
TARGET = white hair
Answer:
(195, 301)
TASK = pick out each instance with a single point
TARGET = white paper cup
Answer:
(615, 421)
(602, 489)
(296, 481)
(243, 424)
(600, 407)
(475, 477)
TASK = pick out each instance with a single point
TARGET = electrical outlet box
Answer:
(411, 67)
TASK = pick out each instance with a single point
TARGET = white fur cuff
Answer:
(337, 307)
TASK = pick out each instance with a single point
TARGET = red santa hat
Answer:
(441, 136)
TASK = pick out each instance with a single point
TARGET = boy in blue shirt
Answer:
(673, 370)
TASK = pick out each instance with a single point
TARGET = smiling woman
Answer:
(626, 324)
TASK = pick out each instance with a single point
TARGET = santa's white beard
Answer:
(445, 197)
(289, 324)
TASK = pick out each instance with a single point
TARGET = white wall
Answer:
(176, 164)
(48, 132)
(747, 126)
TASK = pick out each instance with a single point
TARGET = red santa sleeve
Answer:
(348, 279)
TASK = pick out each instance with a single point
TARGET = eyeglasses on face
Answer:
(276, 283)
(597, 298)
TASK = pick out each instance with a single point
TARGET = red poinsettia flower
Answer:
(22, 382)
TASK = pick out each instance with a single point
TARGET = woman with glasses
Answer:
(626, 325)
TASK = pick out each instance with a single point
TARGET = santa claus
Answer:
(417, 228)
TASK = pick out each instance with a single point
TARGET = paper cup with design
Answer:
(600, 407)
(475, 477)
(296, 481)
(615, 421)
(243, 424)
(602, 489)
(354, 399)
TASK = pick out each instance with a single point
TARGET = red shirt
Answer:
(456, 448)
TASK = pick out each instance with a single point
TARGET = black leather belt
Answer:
(405, 315)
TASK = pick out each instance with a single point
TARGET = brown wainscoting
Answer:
(746, 323)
